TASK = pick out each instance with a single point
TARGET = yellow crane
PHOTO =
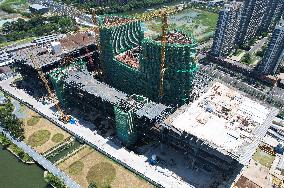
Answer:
(146, 16)
(51, 95)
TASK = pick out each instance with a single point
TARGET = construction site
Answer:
(146, 94)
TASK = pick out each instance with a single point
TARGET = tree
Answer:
(5, 141)
(247, 59)
(92, 185)
(55, 181)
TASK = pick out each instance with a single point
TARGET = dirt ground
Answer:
(90, 157)
(245, 183)
(258, 174)
(43, 124)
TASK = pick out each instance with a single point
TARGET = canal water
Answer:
(15, 174)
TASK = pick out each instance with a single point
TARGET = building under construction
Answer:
(132, 63)
(50, 52)
(220, 130)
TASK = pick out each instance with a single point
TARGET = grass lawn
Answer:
(76, 168)
(22, 108)
(33, 120)
(14, 6)
(103, 174)
(58, 137)
(263, 158)
(202, 24)
(39, 138)
(4, 44)
(100, 170)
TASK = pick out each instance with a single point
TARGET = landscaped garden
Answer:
(89, 168)
(33, 120)
(102, 174)
(41, 134)
(39, 138)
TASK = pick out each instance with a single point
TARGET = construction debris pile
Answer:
(78, 40)
(130, 57)
(115, 21)
(177, 38)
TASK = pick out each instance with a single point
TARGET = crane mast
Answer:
(51, 95)
(163, 53)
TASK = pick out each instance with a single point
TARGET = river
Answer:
(15, 174)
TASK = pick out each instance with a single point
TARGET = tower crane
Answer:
(163, 15)
(51, 95)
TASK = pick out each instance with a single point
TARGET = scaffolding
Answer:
(57, 78)
(141, 75)
(125, 118)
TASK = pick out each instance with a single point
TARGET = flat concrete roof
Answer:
(37, 6)
(225, 119)
(86, 82)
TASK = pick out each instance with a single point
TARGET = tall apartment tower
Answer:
(252, 14)
(272, 15)
(227, 27)
(274, 54)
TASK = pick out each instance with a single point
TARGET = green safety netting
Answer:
(57, 79)
(125, 126)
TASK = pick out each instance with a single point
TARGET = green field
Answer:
(201, 24)
(263, 158)
(14, 6)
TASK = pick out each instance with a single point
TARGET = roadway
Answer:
(132, 161)
(42, 161)
(256, 47)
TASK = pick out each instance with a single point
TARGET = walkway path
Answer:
(42, 161)
(137, 163)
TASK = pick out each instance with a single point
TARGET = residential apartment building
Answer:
(274, 54)
(272, 15)
(251, 18)
(227, 26)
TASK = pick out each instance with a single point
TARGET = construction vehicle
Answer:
(62, 117)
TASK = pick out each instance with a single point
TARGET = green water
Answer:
(15, 174)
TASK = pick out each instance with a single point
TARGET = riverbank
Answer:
(14, 173)
(15, 150)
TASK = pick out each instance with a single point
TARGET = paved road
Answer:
(258, 46)
(136, 163)
(42, 161)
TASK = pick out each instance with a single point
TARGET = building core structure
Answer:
(222, 128)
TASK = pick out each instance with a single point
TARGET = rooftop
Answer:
(37, 6)
(43, 55)
(225, 119)
(86, 82)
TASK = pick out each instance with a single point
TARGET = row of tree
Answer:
(10, 122)
(117, 6)
(54, 181)
(35, 27)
